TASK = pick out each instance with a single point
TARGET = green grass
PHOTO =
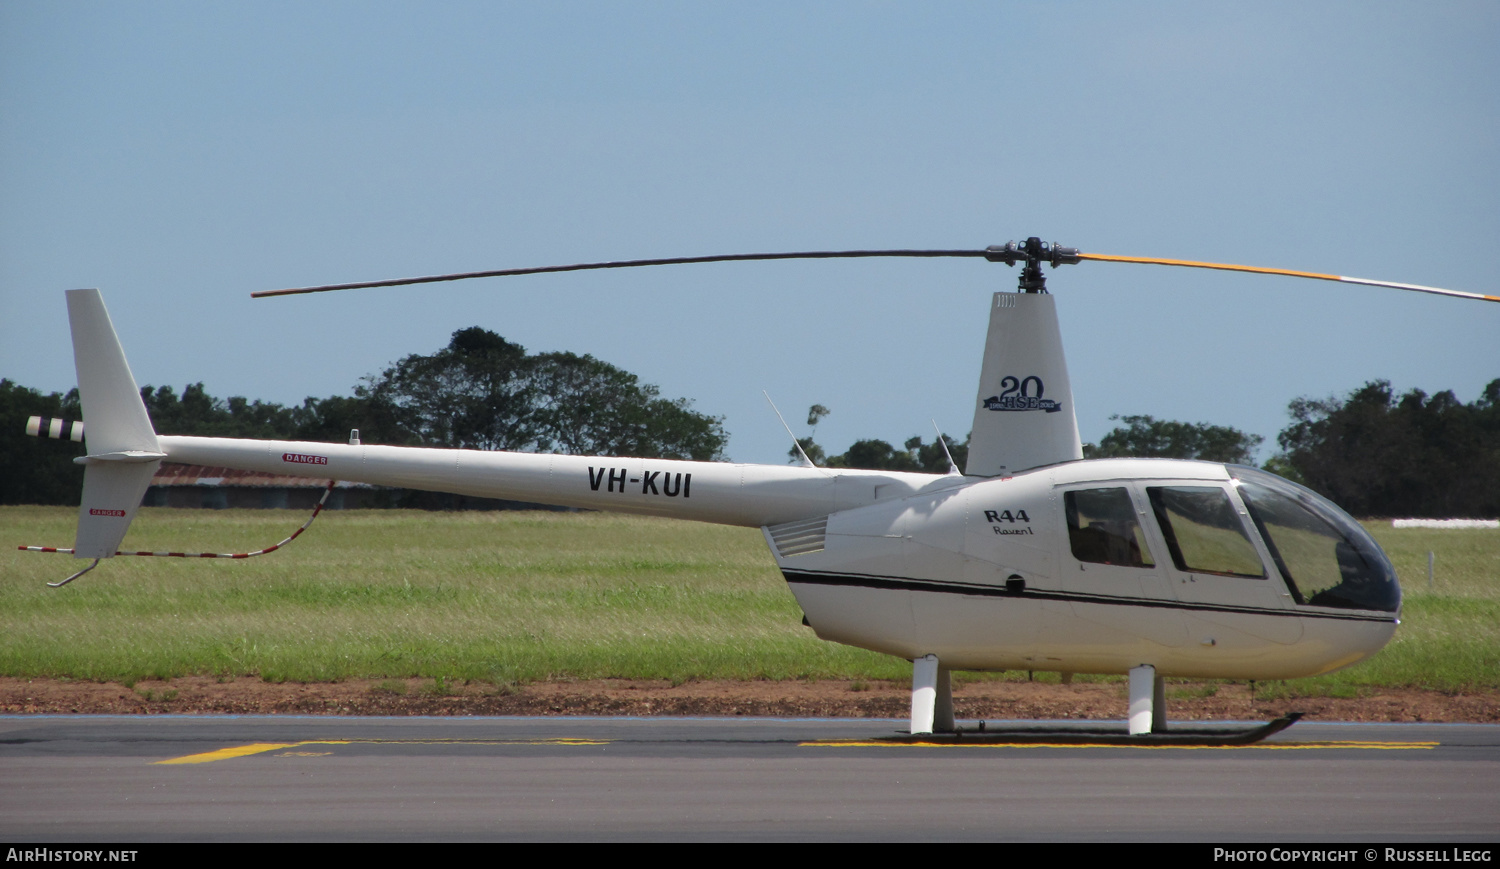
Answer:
(521, 597)
(501, 597)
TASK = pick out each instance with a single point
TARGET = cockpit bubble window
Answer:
(1102, 528)
(1203, 532)
(1328, 559)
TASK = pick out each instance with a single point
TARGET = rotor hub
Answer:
(1032, 253)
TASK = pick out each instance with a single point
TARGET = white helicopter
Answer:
(1031, 558)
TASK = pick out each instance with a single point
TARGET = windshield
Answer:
(1328, 559)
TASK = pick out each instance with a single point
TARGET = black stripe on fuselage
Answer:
(896, 583)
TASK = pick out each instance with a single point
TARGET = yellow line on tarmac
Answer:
(553, 741)
(227, 753)
(262, 747)
(1283, 746)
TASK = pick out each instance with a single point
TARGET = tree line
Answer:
(1374, 452)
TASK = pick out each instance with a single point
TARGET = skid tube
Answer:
(1012, 734)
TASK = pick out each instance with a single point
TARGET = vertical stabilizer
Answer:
(1023, 416)
(112, 409)
(123, 452)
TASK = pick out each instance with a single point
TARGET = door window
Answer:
(1203, 531)
(1102, 528)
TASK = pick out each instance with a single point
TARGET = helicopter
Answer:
(1029, 558)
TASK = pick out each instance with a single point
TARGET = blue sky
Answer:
(182, 155)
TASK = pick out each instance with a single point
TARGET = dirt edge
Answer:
(821, 699)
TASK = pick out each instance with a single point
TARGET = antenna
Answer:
(806, 462)
(942, 442)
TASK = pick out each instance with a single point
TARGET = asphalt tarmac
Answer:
(76, 779)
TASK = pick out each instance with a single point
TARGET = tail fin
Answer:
(1023, 416)
(123, 452)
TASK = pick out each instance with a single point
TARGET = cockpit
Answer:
(1326, 558)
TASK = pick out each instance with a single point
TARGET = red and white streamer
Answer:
(272, 548)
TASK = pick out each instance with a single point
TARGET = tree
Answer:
(196, 412)
(472, 394)
(931, 457)
(1377, 454)
(809, 447)
(483, 392)
(877, 455)
(333, 418)
(585, 406)
(1147, 437)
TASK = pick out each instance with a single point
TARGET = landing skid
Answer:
(1069, 734)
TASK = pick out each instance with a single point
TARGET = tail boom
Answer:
(719, 492)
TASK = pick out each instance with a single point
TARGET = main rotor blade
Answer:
(1009, 254)
(1287, 272)
(624, 264)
